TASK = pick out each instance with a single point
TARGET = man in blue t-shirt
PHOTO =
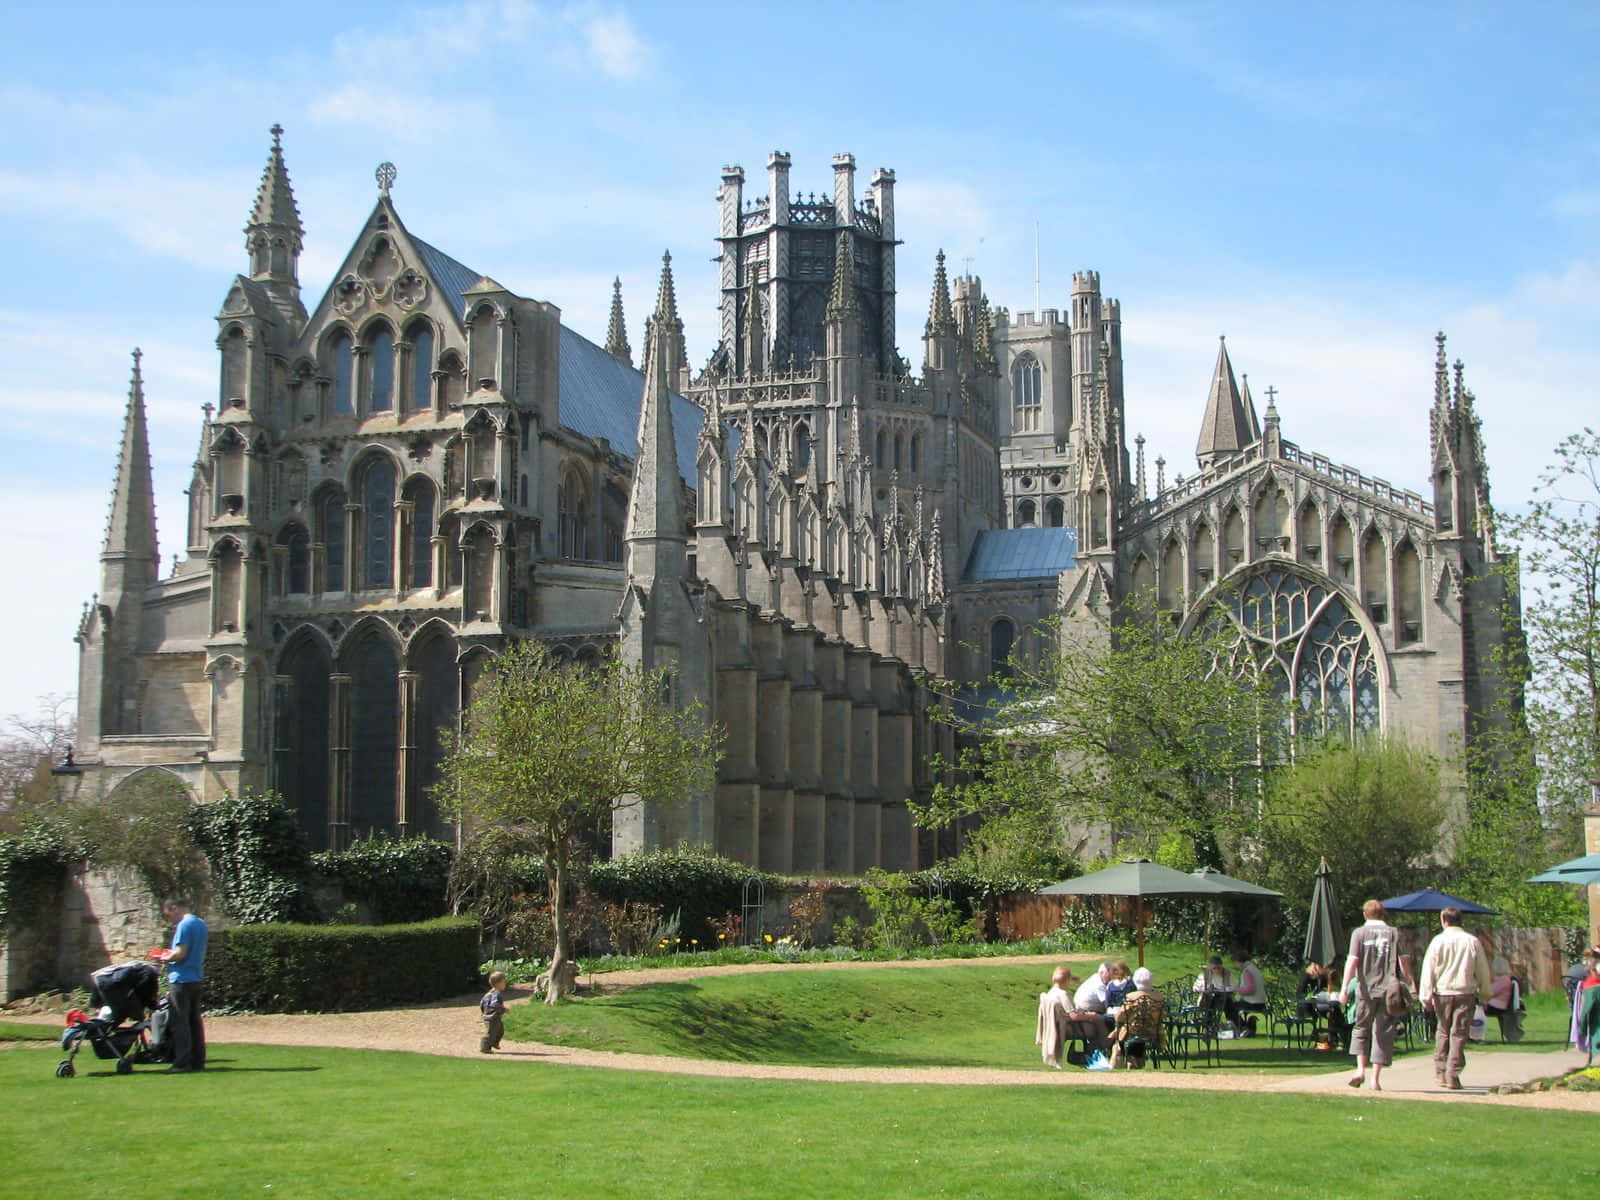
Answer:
(186, 976)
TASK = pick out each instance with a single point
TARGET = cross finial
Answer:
(385, 175)
(277, 137)
(1272, 394)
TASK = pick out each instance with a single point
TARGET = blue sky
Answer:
(1328, 188)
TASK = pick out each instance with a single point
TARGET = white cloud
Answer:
(615, 47)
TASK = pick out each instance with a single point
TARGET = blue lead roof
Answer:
(1020, 554)
(600, 396)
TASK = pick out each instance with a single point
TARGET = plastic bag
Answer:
(1097, 1061)
(1479, 1029)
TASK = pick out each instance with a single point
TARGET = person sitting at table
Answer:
(1213, 985)
(1249, 998)
(1091, 993)
(1313, 982)
(1118, 987)
(1050, 1035)
(1141, 1026)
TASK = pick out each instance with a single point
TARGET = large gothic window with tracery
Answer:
(1306, 639)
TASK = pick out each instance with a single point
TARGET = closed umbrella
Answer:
(1325, 940)
(1137, 877)
(1431, 900)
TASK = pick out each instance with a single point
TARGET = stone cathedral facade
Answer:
(808, 535)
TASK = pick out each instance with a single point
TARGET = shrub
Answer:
(696, 883)
(260, 862)
(32, 866)
(492, 877)
(341, 968)
(902, 918)
(145, 826)
(399, 879)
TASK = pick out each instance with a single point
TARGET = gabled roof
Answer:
(1020, 554)
(454, 279)
(601, 398)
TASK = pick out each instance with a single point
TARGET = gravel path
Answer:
(450, 1028)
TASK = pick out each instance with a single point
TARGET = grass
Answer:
(977, 1015)
(22, 1031)
(291, 1122)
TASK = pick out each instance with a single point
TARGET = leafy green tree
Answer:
(144, 825)
(1372, 808)
(1558, 536)
(1136, 728)
(551, 754)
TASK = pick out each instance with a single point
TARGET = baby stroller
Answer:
(130, 1023)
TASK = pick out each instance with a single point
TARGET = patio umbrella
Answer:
(1235, 887)
(1138, 877)
(1575, 871)
(1325, 940)
(1431, 900)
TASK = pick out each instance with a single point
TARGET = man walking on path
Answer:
(1455, 979)
(1373, 967)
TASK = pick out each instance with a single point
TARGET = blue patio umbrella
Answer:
(1432, 900)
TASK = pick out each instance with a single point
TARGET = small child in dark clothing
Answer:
(493, 1007)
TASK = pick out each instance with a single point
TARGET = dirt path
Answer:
(450, 1028)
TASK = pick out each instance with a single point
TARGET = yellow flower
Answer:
(768, 937)
(722, 937)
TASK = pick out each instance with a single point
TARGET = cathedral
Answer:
(809, 537)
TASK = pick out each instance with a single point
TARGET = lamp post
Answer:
(69, 770)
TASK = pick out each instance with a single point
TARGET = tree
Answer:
(1559, 560)
(1138, 729)
(1372, 808)
(30, 745)
(550, 754)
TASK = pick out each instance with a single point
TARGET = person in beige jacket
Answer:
(1455, 979)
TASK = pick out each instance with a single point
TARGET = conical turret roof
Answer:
(275, 197)
(1227, 427)
(131, 521)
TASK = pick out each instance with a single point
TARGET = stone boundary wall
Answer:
(100, 916)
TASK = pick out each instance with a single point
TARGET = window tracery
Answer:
(1303, 636)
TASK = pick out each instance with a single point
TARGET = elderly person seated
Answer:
(1119, 987)
(1141, 1026)
(1505, 1000)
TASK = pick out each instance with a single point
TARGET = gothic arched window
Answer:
(330, 514)
(377, 524)
(420, 552)
(380, 351)
(421, 368)
(1027, 394)
(572, 513)
(1305, 638)
(343, 361)
(297, 567)
(1002, 637)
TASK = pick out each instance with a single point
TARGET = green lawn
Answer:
(22, 1031)
(287, 1122)
(973, 1015)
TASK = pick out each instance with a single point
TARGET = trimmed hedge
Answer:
(695, 883)
(399, 879)
(340, 968)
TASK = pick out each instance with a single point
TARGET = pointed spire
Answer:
(842, 301)
(669, 323)
(755, 333)
(131, 522)
(941, 319)
(617, 328)
(1138, 473)
(1226, 428)
(711, 428)
(655, 530)
(983, 338)
(1249, 406)
(275, 197)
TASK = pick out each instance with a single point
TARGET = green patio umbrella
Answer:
(1325, 940)
(1138, 877)
(1235, 887)
(1575, 871)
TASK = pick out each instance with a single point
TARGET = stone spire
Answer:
(983, 339)
(130, 542)
(617, 328)
(842, 302)
(273, 237)
(941, 318)
(670, 326)
(1138, 477)
(655, 537)
(1227, 427)
(1249, 410)
(755, 333)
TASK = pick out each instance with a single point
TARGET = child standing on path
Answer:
(493, 1007)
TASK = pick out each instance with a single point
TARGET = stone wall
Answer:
(100, 916)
